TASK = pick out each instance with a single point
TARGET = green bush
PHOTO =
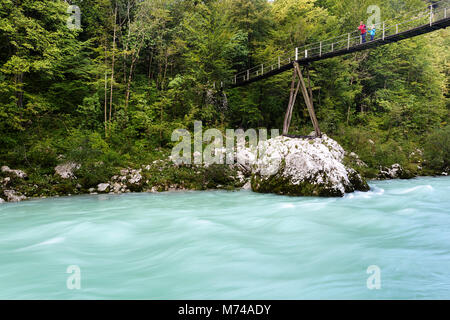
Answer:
(98, 161)
(437, 149)
(43, 153)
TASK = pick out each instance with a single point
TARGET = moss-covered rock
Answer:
(396, 171)
(304, 167)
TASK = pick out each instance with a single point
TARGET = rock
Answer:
(103, 187)
(247, 186)
(161, 161)
(66, 170)
(17, 173)
(356, 160)
(245, 158)
(390, 173)
(396, 171)
(91, 190)
(371, 142)
(444, 173)
(5, 181)
(13, 196)
(1, 200)
(417, 152)
(136, 177)
(303, 167)
(117, 187)
(356, 181)
(241, 177)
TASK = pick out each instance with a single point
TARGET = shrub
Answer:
(98, 161)
(43, 153)
(437, 149)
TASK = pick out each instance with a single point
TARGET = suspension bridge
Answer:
(428, 19)
(411, 24)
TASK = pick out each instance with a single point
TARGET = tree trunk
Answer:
(112, 67)
(126, 44)
(348, 110)
(130, 77)
(19, 89)
(150, 66)
(165, 66)
(106, 95)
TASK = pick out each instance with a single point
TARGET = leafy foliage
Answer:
(114, 91)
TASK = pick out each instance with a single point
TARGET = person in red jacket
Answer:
(362, 28)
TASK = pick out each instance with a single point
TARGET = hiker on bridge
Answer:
(363, 30)
(372, 32)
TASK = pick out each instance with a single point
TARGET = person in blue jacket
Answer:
(372, 33)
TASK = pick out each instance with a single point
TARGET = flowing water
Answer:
(230, 245)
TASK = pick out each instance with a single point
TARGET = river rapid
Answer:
(231, 245)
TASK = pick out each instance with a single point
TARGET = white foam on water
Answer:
(416, 188)
(375, 191)
(51, 241)
(44, 243)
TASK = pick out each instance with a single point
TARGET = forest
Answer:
(109, 92)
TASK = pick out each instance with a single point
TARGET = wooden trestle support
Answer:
(307, 95)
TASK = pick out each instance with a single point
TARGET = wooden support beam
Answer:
(286, 123)
(309, 86)
(307, 95)
(291, 106)
(308, 101)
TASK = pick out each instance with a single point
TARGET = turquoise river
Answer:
(230, 245)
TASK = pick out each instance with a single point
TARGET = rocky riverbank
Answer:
(298, 167)
(159, 176)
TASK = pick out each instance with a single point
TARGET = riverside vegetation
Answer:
(100, 103)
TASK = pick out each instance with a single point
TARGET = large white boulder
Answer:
(303, 167)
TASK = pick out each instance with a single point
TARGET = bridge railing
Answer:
(430, 14)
